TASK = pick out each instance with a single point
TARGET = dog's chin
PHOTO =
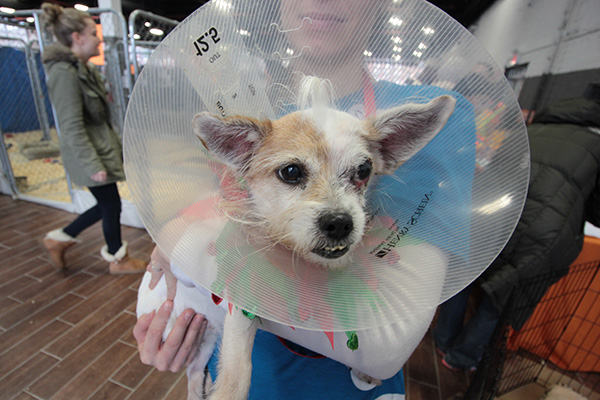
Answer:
(331, 253)
(330, 259)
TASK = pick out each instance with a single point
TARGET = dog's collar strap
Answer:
(352, 344)
(299, 350)
(368, 95)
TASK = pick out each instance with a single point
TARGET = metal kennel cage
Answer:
(560, 342)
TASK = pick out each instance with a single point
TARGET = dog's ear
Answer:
(399, 133)
(232, 139)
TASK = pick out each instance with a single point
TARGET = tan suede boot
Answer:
(57, 242)
(121, 263)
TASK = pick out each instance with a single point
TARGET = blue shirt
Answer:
(444, 170)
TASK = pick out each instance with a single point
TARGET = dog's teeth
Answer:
(335, 248)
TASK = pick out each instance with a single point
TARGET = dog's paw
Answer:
(366, 378)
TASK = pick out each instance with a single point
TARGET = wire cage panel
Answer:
(560, 342)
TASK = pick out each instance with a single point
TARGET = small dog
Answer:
(306, 176)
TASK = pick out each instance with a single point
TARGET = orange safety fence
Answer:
(565, 326)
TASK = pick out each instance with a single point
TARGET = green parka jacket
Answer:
(88, 143)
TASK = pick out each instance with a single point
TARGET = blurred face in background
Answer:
(336, 30)
(86, 44)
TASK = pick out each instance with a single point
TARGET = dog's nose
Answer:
(336, 225)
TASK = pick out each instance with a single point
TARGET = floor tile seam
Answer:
(420, 382)
(26, 361)
(33, 382)
(81, 370)
(83, 255)
(21, 340)
(15, 299)
(81, 296)
(141, 382)
(43, 351)
(39, 280)
(120, 340)
(35, 396)
(174, 385)
(111, 381)
(130, 312)
(101, 328)
(16, 278)
(64, 321)
(112, 377)
(85, 298)
(32, 301)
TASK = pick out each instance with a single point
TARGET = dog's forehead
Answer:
(320, 131)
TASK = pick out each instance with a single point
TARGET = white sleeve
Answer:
(384, 350)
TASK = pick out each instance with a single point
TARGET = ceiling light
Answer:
(81, 7)
(223, 5)
(7, 10)
(156, 31)
(395, 21)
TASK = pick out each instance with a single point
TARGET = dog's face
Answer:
(307, 172)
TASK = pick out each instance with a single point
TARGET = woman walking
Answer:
(91, 150)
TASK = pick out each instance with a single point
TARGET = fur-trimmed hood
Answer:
(58, 52)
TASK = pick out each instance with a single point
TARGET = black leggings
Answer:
(108, 209)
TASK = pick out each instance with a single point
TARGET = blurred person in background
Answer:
(564, 193)
(90, 149)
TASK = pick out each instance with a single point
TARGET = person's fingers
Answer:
(141, 328)
(188, 346)
(174, 341)
(200, 337)
(159, 263)
(155, 275)
(160, 256)
(171, 284)
(153, 340)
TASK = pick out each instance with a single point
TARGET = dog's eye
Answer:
(364, 171)
(290, 174)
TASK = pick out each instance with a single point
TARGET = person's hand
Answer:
(181, 345)
(160, 264)
(99, 177)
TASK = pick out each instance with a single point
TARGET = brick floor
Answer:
(69, 337)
